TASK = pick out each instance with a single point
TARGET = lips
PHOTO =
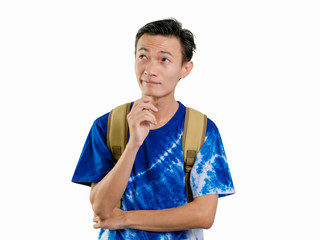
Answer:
(150, 82)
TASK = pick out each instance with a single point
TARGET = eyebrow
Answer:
(147, 50)
(165, 52)
(143, 49)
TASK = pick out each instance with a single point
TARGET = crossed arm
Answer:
(198, 214)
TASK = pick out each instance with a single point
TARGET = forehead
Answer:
(159, 43)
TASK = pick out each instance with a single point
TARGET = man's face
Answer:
(158, 65)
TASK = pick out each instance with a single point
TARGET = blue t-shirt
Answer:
(157, 180)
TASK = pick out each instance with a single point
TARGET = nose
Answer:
(150, 69)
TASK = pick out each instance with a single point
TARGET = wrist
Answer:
(133, 146)
(127, 219)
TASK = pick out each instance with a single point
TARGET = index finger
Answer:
(146, 99)
(144, 104)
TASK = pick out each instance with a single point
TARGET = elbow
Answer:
(206, 207)
(206, 219)
(207, 222)
(97, 206)
(100, 212)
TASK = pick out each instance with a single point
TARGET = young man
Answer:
(149, 176)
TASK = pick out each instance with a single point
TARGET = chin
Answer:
(149, 92)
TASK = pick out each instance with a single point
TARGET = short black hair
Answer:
(170, 27)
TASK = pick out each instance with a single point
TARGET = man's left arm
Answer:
(199, 213)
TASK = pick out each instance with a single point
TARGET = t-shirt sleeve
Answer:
(96, 159)
(210, 173)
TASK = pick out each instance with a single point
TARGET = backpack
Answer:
(194, 132)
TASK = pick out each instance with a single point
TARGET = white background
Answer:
(256, 75)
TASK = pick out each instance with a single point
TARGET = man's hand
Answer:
(139, 119)
(114, 222)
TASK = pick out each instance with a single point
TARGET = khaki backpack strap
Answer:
(194, 132)
(117, 131)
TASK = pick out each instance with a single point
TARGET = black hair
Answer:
(170, 27)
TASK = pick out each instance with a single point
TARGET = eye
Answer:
(142, 56)
(165, 60)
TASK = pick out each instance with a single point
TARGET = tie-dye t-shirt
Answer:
(157, 179)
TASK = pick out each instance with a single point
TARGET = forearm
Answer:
(189, 216)
(106, 194)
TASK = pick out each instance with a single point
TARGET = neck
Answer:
(166, 110)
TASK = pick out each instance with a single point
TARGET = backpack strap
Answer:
(194, 132)
(117, 131)
(117, 135)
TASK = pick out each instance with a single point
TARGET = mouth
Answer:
(149, 82)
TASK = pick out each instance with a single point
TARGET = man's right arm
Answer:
(106, 194)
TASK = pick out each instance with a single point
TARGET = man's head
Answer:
(170, 28)
(163, 55)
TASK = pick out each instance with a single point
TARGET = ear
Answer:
(186, 69)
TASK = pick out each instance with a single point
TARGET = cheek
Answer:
(173, 73)
(137, 68)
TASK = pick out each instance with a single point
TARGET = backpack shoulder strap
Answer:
(194, 132)
(117, 130)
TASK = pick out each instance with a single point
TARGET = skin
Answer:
(158, 67)
(158, 70)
